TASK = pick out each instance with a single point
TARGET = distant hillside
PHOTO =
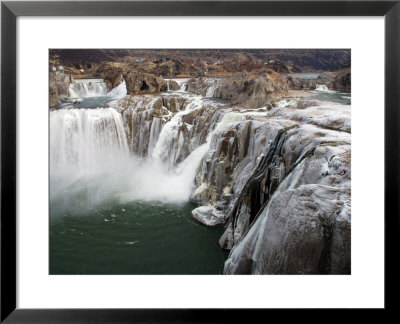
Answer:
(302, 59)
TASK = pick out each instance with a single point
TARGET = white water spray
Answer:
(322, 88)
(90, 163)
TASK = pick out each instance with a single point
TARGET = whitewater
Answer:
(91, 162)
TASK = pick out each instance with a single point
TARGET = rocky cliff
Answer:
(136, 80)
(58, 88)
(278, 178)
(247, 90)
(342, 81)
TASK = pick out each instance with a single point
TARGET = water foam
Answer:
(90, 162)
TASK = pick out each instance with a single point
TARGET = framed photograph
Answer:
(165, 160)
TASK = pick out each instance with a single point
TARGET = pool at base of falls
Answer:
(134, 238)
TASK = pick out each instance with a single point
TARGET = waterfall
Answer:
(154, 134)
(211, 89)
(321, 88)
(87, 88)
(142, 152)
(182, 83)
(86, 148)
(119, 91)
(91, 163)
(86, 139)
(84, 88)
(170, 141)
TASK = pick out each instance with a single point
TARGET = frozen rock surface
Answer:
(208, 215)
(277, 177)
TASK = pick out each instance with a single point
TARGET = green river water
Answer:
(134, 238)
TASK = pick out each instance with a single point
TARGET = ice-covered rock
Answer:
(278, 178)
(208, 215)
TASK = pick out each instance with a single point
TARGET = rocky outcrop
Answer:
(139, 82)
(256, 158)
(243, 89)
(199, 86)
(327, 79)
(112, 74)
(252, 91)
(301, 84)
(59, 85)
(136, 81)
(173, 85)
(190, 124)
(342, 82)
(305, 230)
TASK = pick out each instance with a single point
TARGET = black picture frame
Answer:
(9, 13)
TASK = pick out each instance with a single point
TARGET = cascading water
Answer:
(119, 91)
(86, 145)
(324, 94)
(92, 93)
(90, 163)
(85, 88)
(169, 144)
(182, 84)
(322, 88)
(211, 89)
(117, 189)
(92, 158)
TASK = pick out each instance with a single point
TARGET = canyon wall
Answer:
(277, 178)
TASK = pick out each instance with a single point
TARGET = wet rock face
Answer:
(305, 226)
(297, 233)
(282, 179)
(146, 115)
